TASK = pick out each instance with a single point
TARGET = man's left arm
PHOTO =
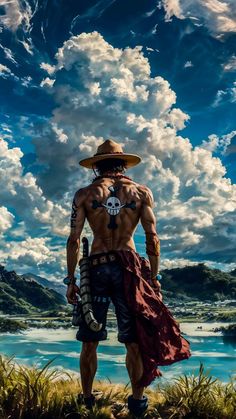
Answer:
(73, 243)
(148, 221)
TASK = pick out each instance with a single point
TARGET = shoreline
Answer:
(14, 324)
(187, 328)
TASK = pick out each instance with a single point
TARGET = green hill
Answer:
(19, 295)
(200, 282)
(56, 286)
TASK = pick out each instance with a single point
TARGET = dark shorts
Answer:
(107, 284)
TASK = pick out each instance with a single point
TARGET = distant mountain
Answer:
(56, 286)
(19, 295)
(191, 282)
(23, 294)
(200, 282)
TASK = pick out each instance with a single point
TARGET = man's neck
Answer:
(112, 175)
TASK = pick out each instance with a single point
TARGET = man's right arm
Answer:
(73, 243)
(148, 222)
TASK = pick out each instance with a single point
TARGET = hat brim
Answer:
(130, 159)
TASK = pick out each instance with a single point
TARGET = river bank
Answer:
(183, 312)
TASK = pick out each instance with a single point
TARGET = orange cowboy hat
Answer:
(107, 150)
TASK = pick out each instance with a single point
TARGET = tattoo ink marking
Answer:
(73, 215)
(113, 206)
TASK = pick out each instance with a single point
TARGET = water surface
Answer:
(38, 346)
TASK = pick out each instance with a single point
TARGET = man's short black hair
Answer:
(108, 165)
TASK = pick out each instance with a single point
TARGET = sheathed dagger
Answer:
(85, 290)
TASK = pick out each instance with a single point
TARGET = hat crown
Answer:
(109, 147)
(110, 150)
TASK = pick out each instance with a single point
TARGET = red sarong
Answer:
(159, 337)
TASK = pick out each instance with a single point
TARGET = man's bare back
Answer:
(113, 208)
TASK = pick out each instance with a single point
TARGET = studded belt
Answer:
(100, 259)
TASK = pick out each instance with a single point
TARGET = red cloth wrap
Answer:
(159, 337)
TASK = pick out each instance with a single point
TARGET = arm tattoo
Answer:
(73, 215)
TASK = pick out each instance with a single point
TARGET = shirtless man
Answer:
(113, 204)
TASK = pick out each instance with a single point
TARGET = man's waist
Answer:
(102, 258)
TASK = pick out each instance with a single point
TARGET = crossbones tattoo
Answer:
(113, 206)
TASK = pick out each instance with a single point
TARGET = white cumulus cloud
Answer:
(191, 190)
(35, 253)
(227, 95)
(6, 220)
(104, 92)
(219, 16)
(230, 65)
(47, 82)
(188, 64)
(48, 68)
(5, 72)
(220, 144)
(16, 13)
(21, 192)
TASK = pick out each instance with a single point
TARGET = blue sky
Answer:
(160, 77)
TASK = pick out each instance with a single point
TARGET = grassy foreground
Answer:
(31, 393)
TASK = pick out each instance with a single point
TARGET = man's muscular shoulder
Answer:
(92, 189)
(146, 195)
(80, 196)
(85, 194)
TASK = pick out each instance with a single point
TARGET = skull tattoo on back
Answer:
(113, 206)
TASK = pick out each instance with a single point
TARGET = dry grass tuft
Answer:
(32, 393)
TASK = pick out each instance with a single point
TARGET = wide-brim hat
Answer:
(110, 150)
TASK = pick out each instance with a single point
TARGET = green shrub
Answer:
(11, 325)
